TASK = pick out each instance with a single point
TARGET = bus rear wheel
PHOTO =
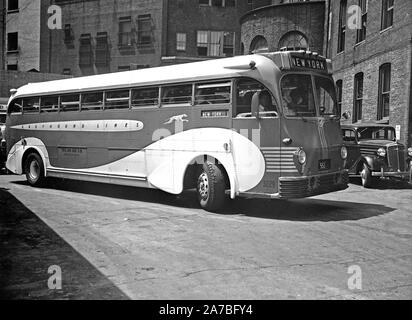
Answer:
(211, 187)
(34, 169)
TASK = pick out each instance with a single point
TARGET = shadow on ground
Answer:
(385, 184)
(28, 247)
(309, 209)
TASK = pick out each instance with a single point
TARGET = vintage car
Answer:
(374, 152)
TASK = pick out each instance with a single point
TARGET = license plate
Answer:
(324, 164)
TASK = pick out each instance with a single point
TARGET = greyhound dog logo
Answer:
(179, 118)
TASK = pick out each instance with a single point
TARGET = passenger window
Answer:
(117, 99)
(181, 94)
(31, 105)
(213, 93)
(70, 102)
(15, 106)
(92, 101)
(49, 104)
(245, 90)
(145, 97)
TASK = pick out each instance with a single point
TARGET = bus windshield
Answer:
(298, 96)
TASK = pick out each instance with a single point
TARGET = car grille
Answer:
(396, 158)
(299, 188)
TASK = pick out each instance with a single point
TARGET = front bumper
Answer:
(394, 174)
(302, 187)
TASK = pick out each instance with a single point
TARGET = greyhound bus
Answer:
(263, 125)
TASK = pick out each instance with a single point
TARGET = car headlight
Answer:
(344, 153)
(302, 156)
(410, 152)
(381, 152)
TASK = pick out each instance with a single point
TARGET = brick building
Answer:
(101, 36)
(204, 29)
(372, 65)
(26, 44)
(284, 24)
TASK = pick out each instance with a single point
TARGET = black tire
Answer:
(211, 187)
(366, 176)
(34, 169)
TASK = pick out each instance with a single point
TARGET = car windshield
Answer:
(376, 133)
(297, 95)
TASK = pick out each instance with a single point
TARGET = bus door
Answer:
(263, 130)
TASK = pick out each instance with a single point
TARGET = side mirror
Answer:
(346, 115)
(255, 105)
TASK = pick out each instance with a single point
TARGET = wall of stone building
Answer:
(93, 16)
(273, 22)
(25, 21)
(187, 16)
(15, 79)
(388, 46)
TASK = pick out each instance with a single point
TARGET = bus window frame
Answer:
(311, 74)
(21, 107)
(58, 103)
(91, 92)
(70, 94)
(176, 105)
(144, 107)
(235, 100)
(211, 82)
(114, 90)
(30, 97)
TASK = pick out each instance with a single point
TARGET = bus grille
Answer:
(309, 186)
(396, 158)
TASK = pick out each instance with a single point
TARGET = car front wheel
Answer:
(366, 176)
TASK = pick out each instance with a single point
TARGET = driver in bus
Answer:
(292, 99)
(265, 102)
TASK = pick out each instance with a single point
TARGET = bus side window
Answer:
(15, 106)
(49, 104)
(213, 93)
(31, 105)
(92, 101)
(145, 97)
(179, 94)
(70, 102)
(117, 99)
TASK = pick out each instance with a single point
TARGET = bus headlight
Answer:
(381, 152)
(410, 152)
(344, 153)
(302, 156)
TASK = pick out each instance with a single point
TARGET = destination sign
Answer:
(309, 63)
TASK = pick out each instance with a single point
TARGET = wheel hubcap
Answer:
(203, 186)
(34, 170)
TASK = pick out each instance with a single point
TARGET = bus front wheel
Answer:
(34, 169)
(211, 187)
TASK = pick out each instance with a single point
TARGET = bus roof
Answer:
(251, 65)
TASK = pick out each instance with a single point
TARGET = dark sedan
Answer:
(374, 152)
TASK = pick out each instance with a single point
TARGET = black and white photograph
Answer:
(222, 152)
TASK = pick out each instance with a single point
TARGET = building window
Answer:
(387, 14)
(68, 34)
(102, 49)
(218, 3)
(12, 67)
(85, 50)
(259, 44)
(384, 91)
(12, 5)
(342, 26)
(181, 41)
(123, 68)
(358, 97)
(13, 41)
(361, 33)
(215, 43)
(67, 71)
(144, 29)
(293, 40)
(125, 32)
(339, 93)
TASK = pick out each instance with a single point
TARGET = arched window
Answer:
(259, 44)
(294, 40)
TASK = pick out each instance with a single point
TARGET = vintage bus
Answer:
(263, 125)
